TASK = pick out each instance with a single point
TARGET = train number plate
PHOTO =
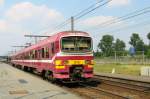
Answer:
(76, 62)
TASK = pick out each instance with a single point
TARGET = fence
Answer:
(122, 58)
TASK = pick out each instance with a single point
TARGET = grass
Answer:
(119, 68)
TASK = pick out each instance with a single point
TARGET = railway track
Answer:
(102, 87)
(125, 83)
(113, 88)
(104, 92)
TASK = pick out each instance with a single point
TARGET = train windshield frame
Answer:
(76, 44)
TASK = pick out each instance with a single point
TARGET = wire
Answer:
(88, 8)
(131, 26)
(92, 9)
(82, 13)
(122, 18)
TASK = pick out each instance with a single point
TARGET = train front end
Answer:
(75, 63)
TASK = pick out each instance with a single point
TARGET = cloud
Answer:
(26, 18)
(1, 2)
(119, 3)
(27, 10)
(29, 17)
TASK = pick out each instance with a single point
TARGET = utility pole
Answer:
(115, 56)
(143, 57)
(72, 24)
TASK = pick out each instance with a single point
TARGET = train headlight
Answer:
(89, 62)
(90, 66)
(58, 62)
(92, 62)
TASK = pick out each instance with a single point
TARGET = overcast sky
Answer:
(20, 17)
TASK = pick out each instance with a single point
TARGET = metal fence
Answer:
(138, 58)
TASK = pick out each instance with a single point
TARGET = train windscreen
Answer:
(76, 44)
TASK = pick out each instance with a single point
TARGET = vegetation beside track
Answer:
(131, 69)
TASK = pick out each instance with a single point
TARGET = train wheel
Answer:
(30, 69)
(49, 76)
(25, 68)
(43, 75)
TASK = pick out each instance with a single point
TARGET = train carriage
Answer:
(67, 56)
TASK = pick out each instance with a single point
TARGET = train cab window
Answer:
(76, 44)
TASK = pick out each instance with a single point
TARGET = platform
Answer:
(17, 84)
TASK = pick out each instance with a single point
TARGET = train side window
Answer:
(35, 53)
(42, 52)
(39, 53)
(30, 54)
(52, 48)
(47, 52)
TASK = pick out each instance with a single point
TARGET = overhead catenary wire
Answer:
(83, 13)
(88, 8)
(64, 23)
(122, 18)
(147, 22)
(78, 17)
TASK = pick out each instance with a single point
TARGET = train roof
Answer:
(53, 38)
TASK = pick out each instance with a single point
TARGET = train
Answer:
(65, 56)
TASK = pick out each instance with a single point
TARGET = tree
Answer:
(148, 36)
(148, 53)
(119, 45)
(134, 39)
(140, 45)
(106, 45)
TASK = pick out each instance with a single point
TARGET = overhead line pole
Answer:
(84, 12)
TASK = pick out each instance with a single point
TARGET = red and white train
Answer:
(67, 56)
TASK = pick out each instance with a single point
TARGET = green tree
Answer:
(134, 39)
(146, 48)
(140, 45)
(137, 42)
(148, 36)
(106, 45)
(119, 45)
(98, 54)
(148, 53)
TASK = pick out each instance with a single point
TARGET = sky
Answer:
(40, 17)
